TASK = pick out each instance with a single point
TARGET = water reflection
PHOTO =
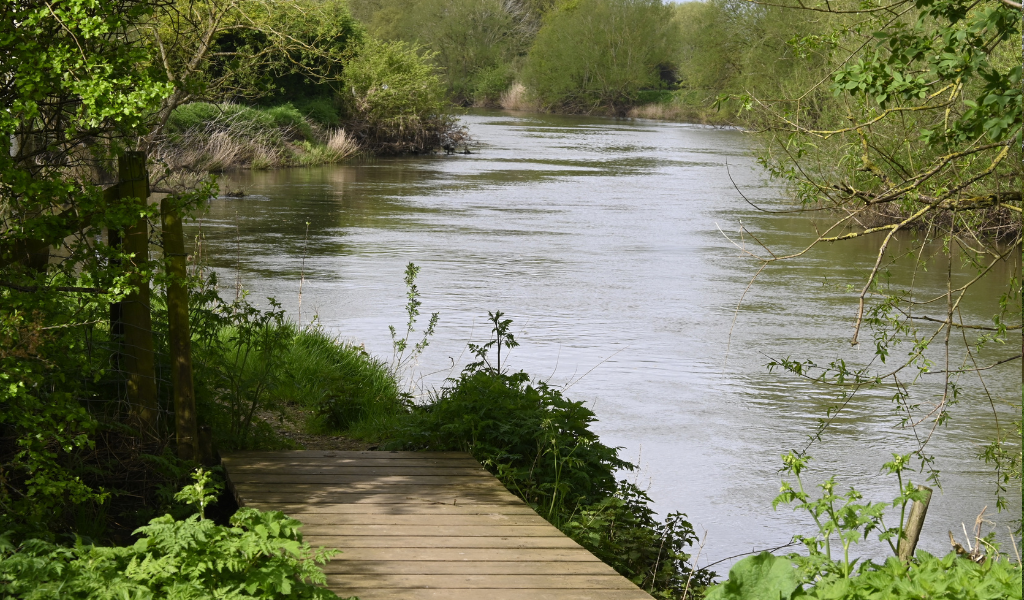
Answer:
(601, 239)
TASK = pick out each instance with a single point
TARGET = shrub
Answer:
(489, 84)
(397, 101)
(287, 116)
(594, 54)
(469, 37)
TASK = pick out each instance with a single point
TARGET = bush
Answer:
(599, 54)
(464, 37)
(489, 84)
(397, 102)
(287, 116)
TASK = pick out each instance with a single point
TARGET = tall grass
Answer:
(345, 388)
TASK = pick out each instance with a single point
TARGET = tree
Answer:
(591, 54)
(469, 40)
(397, 100)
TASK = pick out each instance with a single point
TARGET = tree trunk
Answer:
(136, 320)
(185, 428)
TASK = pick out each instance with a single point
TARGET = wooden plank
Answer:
(370, 498)
(299, 510)
(418, 478)
(414, 526)
(438, 567)
(379, 593)
(363, 470)
(484, 582)
(310, 520)
(483, 485)
(285, 455)
(452, 463)
(433, 541)
(475, 555)
(433, 530)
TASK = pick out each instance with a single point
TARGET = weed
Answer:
(401, 362)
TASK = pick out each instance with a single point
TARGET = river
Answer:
(605, 241)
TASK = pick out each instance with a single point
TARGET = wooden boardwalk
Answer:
(416, 525)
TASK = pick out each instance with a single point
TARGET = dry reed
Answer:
(517, 97)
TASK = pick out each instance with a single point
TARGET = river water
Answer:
(605, 241)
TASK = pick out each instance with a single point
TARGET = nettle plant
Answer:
(259, 556)
(846, 518)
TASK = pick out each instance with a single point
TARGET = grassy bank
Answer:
(217, 137)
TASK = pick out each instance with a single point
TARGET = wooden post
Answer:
(912, 531)
(186, 433)
(207, 456)
(135, 316)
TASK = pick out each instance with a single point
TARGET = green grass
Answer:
(277, 365)
(347, 390)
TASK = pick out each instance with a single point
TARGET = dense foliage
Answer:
(539, 444)
(74, 95)
(258, 556)
(946, 578)
(473, 42)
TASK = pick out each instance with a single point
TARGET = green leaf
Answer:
(761, 577)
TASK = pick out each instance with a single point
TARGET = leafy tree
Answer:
(73, 98)
(593, 54)
(470, 40)
(738, 47)
(396, 99)
(470, 37)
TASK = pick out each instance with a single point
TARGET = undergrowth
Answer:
(251, 364)
(829, 570)
(257, 556)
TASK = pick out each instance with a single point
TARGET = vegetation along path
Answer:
(421, 525)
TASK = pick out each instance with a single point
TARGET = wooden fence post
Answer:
(912, 532)
(185, 428)
(136, 320)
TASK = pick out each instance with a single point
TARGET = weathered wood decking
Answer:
(415, 525)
